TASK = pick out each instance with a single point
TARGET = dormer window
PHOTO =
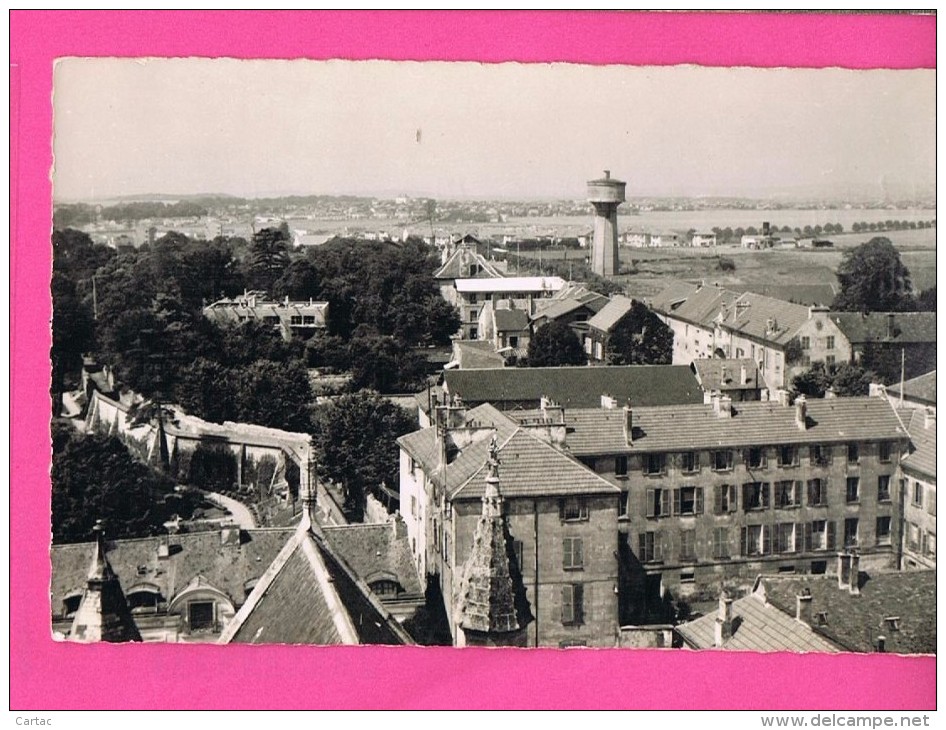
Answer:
(70, 604)
(893, 622)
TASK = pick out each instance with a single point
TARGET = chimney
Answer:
(801, 412)
(854, 574)
(844, 570)
(881, 644)
(723, 620)
(628, 425)
(929, 420)
(782, 396)
(608, 402)
(803, 606)
(764, 394)
(607, 174)
(818, 312)
(830, 393)
(743, 375)
(891, 333)
(724, 374)
(724, 407)
(876, 390)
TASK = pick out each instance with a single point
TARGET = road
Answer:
(240, 513)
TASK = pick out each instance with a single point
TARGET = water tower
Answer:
(605, 194)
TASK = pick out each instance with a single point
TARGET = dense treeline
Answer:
(79, 214)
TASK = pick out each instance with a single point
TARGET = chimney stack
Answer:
(608, 401)
(628, 425)
(881, 644)
(803, 606)
(876, 390)
(724, 406)
(782, 396)
(844, 570)
(854, 574)
(801, 412)
(929, 420)
(890, 326)
(830, 393)
(743, 375)
(723, 630)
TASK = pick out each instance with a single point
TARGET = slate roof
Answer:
(909, 327)
(753, 423)
(709, 373)
(611, 313)
(511, 320)
(373, 550)
(753, 320)
(530, 467)
(308, 595)
(921, 388)
(702, 306)
(577, 387)
(855, 621)
(922, 460)
(757, 626)
(672, 296)
(477, 354)
(560, 307)
(457, 266)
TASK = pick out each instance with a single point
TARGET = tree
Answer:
(926, 301)
(812, 383)
(95, 478)
(269, 257)
(299, 281)
(640, 338)
(554, 344)
(381, 363)
(72, 335)
(851, 380)
(205, 389)
(355, 436)
(274, 394)
(872, 278)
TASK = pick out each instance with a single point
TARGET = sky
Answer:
(458, 130)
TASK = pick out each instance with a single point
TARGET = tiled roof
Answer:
(577, 387)
(309, 596)
(375, 549)
(530, 467)
(754, 423)
(511, 320)
(753, 320)
(672, 296)
(855, 621)
(710, 373)
(757, 626)
(560, 307)
(908, 327)
(512, 284)
(923, 459)
(226, 567)
(921, 388)
(611, 313)
(703, 305)
(478, 354)
(457, 266)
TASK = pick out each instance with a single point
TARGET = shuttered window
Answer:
(721, 542)
(688, 501)
(724, 499)
(573, 604)
(658, 502)
(573, 558)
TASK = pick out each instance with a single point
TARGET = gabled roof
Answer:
(309, 596)
(457, 266)
(576, 387)
(724, 374)
(476, 354)
(559, 307)
(754, 423)
(703, 305)
(908, 327)
(751, 314)
(375, 549)
(611, 313)
(511, 320)
(922, 460)
(757, 626)
(855, 621)
(675, 294)
(921, 389)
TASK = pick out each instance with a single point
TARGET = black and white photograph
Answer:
(493, 355)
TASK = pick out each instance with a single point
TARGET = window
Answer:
(817, 492)
(573, 558)
(850, 532)
(883, 488)
(620, 466)
(931, 502)
(649, 547)
(514, 341)
(688, 545)
(472, 298)
(413, 506)
(689, 462)
(688, 501)
(787, 494)
(722, 460)
(853, 454)
(658, 502)
(816, 535)
(474, 315)
(721, 542)
(70, 604)
(787, 456)
(829, 343)
(622, 505)
(917, 495)
(688, 576)
(572, 604)
(754, 540)
(805, 343)
(517, 549)
(785, 538)
(883, 530)
(572, 509)
(930, 550)
(385, 587)
(755, 495)
(724, 500)
(913, 536)
(308, 319)
(295, 320)
(653, 464)
(143, 601)
(200, 615)
(852, 489)
(820, 455)
(755, 458)
(474, 333)
(883, 452)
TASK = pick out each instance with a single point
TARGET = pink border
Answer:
(47, 675)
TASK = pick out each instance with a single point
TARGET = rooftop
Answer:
(922, 460)
(512, 284)
(921, 388)
(671, 297)
(908, 327)
(611, 313)
(702, 306)
(690, 427)
(458, 265)
(725, 375)
(576, 387)
(511, 320)
(764, 318)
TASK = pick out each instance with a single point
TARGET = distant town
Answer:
(691, 423)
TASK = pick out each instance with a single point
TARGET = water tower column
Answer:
(605, 194)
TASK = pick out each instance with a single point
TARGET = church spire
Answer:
(103, 613)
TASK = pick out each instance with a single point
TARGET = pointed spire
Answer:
(103, 613)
